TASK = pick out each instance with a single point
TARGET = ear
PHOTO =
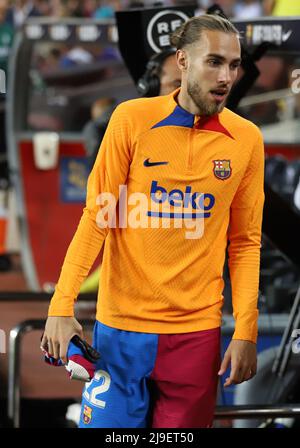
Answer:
(182, 62)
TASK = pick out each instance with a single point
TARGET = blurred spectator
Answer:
(6, 38)
(6, 35)
(20, 11)
(106, 9)
(74, 8)
(169, 75)
(94, 130)
(44, 7)
(227, 6)
(53, 59)
(281, 7)
(56, 8)
(67, 8)
(76, 56)
(248, 9)
(202, 6)
(90, 7)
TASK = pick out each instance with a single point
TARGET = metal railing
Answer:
(274, 95)
(257, 411)
(14, 380)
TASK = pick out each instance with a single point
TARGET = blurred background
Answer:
(64, 66)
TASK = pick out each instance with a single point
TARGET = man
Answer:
(94, 130)
(162, 75)
(199, 166)
(169, 75)
(20, 11)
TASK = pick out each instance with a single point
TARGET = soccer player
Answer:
(191, 173)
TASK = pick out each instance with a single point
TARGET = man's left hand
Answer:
(242, 357)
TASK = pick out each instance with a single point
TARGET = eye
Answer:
(235, 66)
(214, 62)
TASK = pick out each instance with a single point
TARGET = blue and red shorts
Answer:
(152, 380)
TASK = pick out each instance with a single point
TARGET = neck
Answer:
(186, 102)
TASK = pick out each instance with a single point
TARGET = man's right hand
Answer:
(58, 333)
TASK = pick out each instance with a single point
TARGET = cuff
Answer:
(246, 327)
(61, 307)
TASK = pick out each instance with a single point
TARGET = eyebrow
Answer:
(221, 58)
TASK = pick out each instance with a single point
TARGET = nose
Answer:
(224, 74)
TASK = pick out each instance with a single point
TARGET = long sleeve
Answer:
(245, 243)
(109, 172)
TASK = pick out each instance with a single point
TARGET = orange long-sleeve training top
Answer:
(190, 184)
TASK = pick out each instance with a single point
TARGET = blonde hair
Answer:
(190, 31)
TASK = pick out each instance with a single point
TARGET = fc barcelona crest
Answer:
(222, 169)
(87, 414)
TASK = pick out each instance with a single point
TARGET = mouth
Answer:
(219, 95)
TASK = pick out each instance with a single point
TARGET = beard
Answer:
(205, 106)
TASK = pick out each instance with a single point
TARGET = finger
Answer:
(247, 375)
(50, 347)
(63, 352)
(44, 342)
(232, 377)
(55, 347)
(240, 376)
(227, 382)
(245, 372)
(236, 375)
(225, 364)
(254, 369)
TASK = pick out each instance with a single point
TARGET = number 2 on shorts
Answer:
(91, 395)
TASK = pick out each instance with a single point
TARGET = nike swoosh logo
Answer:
(286, 35)
(148, 163)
